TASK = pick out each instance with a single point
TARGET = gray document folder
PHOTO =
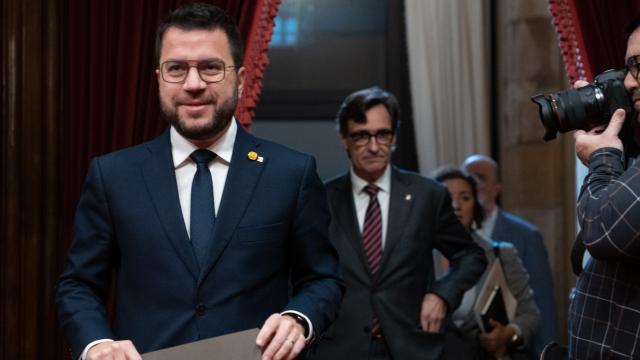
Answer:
(236, 346)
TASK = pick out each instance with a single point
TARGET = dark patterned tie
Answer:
(372, 241)
(372, 230)
(203, 214)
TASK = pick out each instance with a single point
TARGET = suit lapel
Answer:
(159, 176)
(346, 219)
(400, 203)
(241, 180)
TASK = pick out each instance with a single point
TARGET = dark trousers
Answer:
(378, 350)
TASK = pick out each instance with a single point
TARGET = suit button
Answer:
(366, 329)
(201, 310)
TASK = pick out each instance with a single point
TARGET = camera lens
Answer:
(569, 110)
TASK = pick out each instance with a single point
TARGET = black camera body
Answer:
(586, 107)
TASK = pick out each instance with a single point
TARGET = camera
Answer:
(586, 107)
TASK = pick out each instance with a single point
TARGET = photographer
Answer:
(604, 315)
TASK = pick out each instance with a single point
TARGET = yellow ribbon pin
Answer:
(252, 155)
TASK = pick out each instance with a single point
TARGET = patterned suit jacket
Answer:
(604, 315)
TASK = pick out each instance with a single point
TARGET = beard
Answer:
(212, 128)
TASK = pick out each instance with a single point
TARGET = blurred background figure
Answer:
(513, 339)
(503, 226)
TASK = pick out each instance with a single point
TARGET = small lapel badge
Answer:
(407, 197)
(252, 155)
(260, 159)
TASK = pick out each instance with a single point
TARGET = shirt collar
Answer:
(383, 182)
(181, 148)
(489, 222)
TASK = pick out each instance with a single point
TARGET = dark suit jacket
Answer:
(270, 251)
(420, 219)
(526, 238)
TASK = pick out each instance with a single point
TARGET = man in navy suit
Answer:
(208, 230)
(502, 226)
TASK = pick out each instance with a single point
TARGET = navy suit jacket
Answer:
(526, 238)
(270, 251)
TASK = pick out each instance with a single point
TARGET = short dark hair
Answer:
(199, 16)
(449, 172)
(355, 106)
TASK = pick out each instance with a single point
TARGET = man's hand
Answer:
(599, 137)
(432, 313)
(589, 141)
(281, 337)
(497, 340)
(113, 350)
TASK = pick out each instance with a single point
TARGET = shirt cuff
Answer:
(309, 336)
(607, 156)
(91, 344)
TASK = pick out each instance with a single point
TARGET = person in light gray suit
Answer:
(512, 339)
(500, 225)
(385, 224)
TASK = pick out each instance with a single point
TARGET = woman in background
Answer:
(505, 340)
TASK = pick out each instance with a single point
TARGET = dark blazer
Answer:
(270, 251)
(526, 238)
(420, 219)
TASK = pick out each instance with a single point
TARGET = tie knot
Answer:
(371, 190)
(202, 156)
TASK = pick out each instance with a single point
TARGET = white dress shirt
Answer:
(186, 168)
(361, 198)
(489, 223)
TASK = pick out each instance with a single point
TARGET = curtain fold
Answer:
(257, 23)
(449, 72)
(591, 34)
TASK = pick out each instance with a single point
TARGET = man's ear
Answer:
(240, 75)
(343, 141)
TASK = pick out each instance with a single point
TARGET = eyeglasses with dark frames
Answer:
(633, 66)
(210, 71)
(383, 137)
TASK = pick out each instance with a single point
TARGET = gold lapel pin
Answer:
(252, 155)
(407, 197)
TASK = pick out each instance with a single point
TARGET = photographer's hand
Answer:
(589, 141)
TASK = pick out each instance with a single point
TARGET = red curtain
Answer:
(591, 34)
(110, 94)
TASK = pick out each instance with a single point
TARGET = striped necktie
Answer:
(372, 230)
(372, 241)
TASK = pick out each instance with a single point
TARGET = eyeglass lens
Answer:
(209, 70)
